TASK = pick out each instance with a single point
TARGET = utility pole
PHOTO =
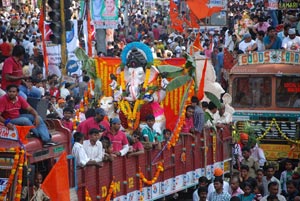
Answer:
(64, 55)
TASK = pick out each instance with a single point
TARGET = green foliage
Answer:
(171, 71)
(178, 82)
(213, 99)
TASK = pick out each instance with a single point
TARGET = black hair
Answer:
(18, 51)
(150, 117)
(68, 109)
(93, 131)
(272, 183)
(189, 107)
(12, 86)
(270, 28)
(246, 148)
(166, 130)
(202, 189)
(194, 99)
(218, 179)
(203, 179)
(78, 136)
(90, 113)
(245, 167)
(204, 104)
(211, 106)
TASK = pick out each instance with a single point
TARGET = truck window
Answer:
(251, 92)
(288, 92)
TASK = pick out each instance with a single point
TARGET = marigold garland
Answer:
(122, 76)
(18, 160)
(159, 169)
(176, 133)
(87, 195)
(147, 76)
(132, 115)
(112, 191)
(274, 122)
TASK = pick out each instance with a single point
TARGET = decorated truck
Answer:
(131, 87)
(265, 87)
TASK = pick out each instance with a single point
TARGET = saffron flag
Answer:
(56, 184)
(200, 94)
(22, 132)
(42, 30)
(205, 11)
(196, 45)
(176, 23)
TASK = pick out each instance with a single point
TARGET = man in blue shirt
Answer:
(271, 40)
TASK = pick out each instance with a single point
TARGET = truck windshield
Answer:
(288, 92)
(251, 92)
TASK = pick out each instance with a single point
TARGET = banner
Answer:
(105, 13)
(54, 50)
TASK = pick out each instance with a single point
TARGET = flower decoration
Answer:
(159, 169)
(111, 191)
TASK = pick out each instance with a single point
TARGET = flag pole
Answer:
(63, 46)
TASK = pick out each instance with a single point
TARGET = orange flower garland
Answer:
(159, 169)
(13, 171)
(112, 191)
(175, 137)
(20, 176)
(87, 196)
(147, 76)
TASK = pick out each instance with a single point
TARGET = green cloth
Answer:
(150, 133)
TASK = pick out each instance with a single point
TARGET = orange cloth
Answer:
(200, 94)
(56, 184)
(218, 172)
(244, 136)
(22, 132)
(205, 11)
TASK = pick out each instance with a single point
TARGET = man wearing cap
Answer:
(117, 137)
(246, 45)
(218, 173)
(292, 42)
(93, 122)
(93, 147)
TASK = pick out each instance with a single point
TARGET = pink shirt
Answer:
(118, 140)
(188, 125)
(89, 123)
(138, 146)
(12, 110)
(67, 124)
(263, 27)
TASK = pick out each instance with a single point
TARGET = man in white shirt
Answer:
(292, 42)
(93, 147)
(78, 151)
(273, 188)
(218, 172)
(247, 44)
(269, 178)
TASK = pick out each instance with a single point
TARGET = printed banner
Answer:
(270, 56)
(105, 13)
(54, 50)
(5, 133)
(3, 183)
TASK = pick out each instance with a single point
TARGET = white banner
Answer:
(54, 50)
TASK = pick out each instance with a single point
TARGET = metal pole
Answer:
(64, 55)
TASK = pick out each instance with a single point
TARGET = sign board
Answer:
(5, 133)
(270, 57)
(3, 183)
(282, 5)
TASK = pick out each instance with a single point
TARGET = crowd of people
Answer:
(97, 139)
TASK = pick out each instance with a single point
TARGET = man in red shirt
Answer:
(117, 137)
(93, 122)
(12, 72)
(5, 49)
(10, 106)
(66, 120)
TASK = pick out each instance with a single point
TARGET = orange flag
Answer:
(41, 28)
(205, 11)
(201, 84)
(22, 132)
(176, 23)
(89, 27)
(196, 45)
(56, 184)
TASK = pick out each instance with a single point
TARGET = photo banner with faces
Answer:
(105, 13)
